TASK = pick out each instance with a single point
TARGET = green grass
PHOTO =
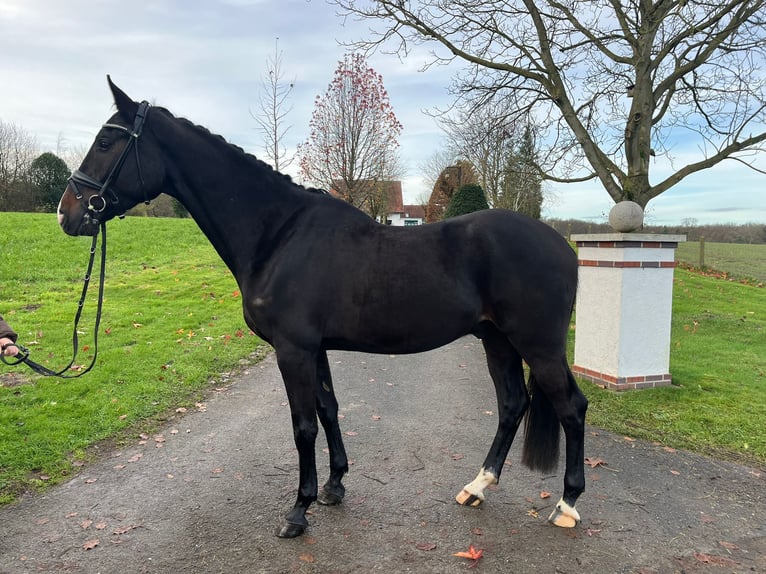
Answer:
(738, 261)
(173, 324)
(172, 320)
(717, 403)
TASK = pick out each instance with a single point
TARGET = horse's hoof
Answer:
(467, 499)
(329, 498)
(564, 515)
(290, 530)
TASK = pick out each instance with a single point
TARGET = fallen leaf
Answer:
(457, 456)
(472, 554)
(91, 480)
(477, 531)
(307, 557)
(675, 472)
(594, 462)
(713, 559)
(728, 545)
(90, 544)
(533, 513)
(85, 524)
(592, 531)
(426, 546)
(100, 526)
(545, 494)
(376, 417)
(352, 433)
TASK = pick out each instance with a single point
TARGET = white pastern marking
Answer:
(484, 479)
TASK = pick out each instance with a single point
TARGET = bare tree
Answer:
(17, 151)
(485, 136)
(611, 83)
(273, 110)
(352, 146)
(433, 166)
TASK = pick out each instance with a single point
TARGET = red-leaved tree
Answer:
(352, 147)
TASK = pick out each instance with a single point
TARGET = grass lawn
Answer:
(172, 321)
(717, 403)
(738, 260)
(172, 329)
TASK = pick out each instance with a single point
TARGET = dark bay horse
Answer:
(315, 274)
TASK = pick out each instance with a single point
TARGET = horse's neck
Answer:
(233, 201)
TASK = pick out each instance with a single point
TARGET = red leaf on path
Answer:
(426, 546)
(472, 554)
(713, 559)
(90, 544)
(594, 462)
(545, 494)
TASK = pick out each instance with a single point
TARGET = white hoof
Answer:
(564, 515)
(473, 493)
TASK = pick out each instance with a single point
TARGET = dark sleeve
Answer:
(6, 331)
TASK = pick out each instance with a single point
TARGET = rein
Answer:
(45, 371)
(104, 192)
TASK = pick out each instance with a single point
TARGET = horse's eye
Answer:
(104, 144)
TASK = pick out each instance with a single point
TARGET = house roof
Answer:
(415, 211)
(393, 191)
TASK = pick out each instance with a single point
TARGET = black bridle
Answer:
(104, 191)
(104, 187)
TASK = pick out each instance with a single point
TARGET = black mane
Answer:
(252, 158)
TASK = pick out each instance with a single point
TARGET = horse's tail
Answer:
(541, 432)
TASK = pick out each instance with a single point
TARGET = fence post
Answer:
(702, 251)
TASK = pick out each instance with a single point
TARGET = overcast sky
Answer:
(204, 60)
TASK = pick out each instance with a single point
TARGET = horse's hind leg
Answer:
(327, 407)
(556, 398)
(505, 368)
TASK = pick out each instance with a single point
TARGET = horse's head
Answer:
(120, 170)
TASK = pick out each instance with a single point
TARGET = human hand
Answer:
(8, 347)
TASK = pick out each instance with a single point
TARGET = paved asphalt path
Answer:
(206, 493)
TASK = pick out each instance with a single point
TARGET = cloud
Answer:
(204, 60)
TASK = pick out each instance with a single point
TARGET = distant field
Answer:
(739, 260)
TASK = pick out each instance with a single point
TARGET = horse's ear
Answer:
(125, 105)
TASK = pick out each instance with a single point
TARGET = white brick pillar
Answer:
(624, 304)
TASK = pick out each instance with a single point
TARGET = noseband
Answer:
(98, 202)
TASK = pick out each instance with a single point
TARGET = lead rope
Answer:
(45, 371)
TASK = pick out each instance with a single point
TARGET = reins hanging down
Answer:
(23, 357)
(96, 204)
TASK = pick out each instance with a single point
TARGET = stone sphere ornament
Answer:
(626, 216)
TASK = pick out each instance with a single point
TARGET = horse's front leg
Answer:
(327, 406)
(298, 368)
